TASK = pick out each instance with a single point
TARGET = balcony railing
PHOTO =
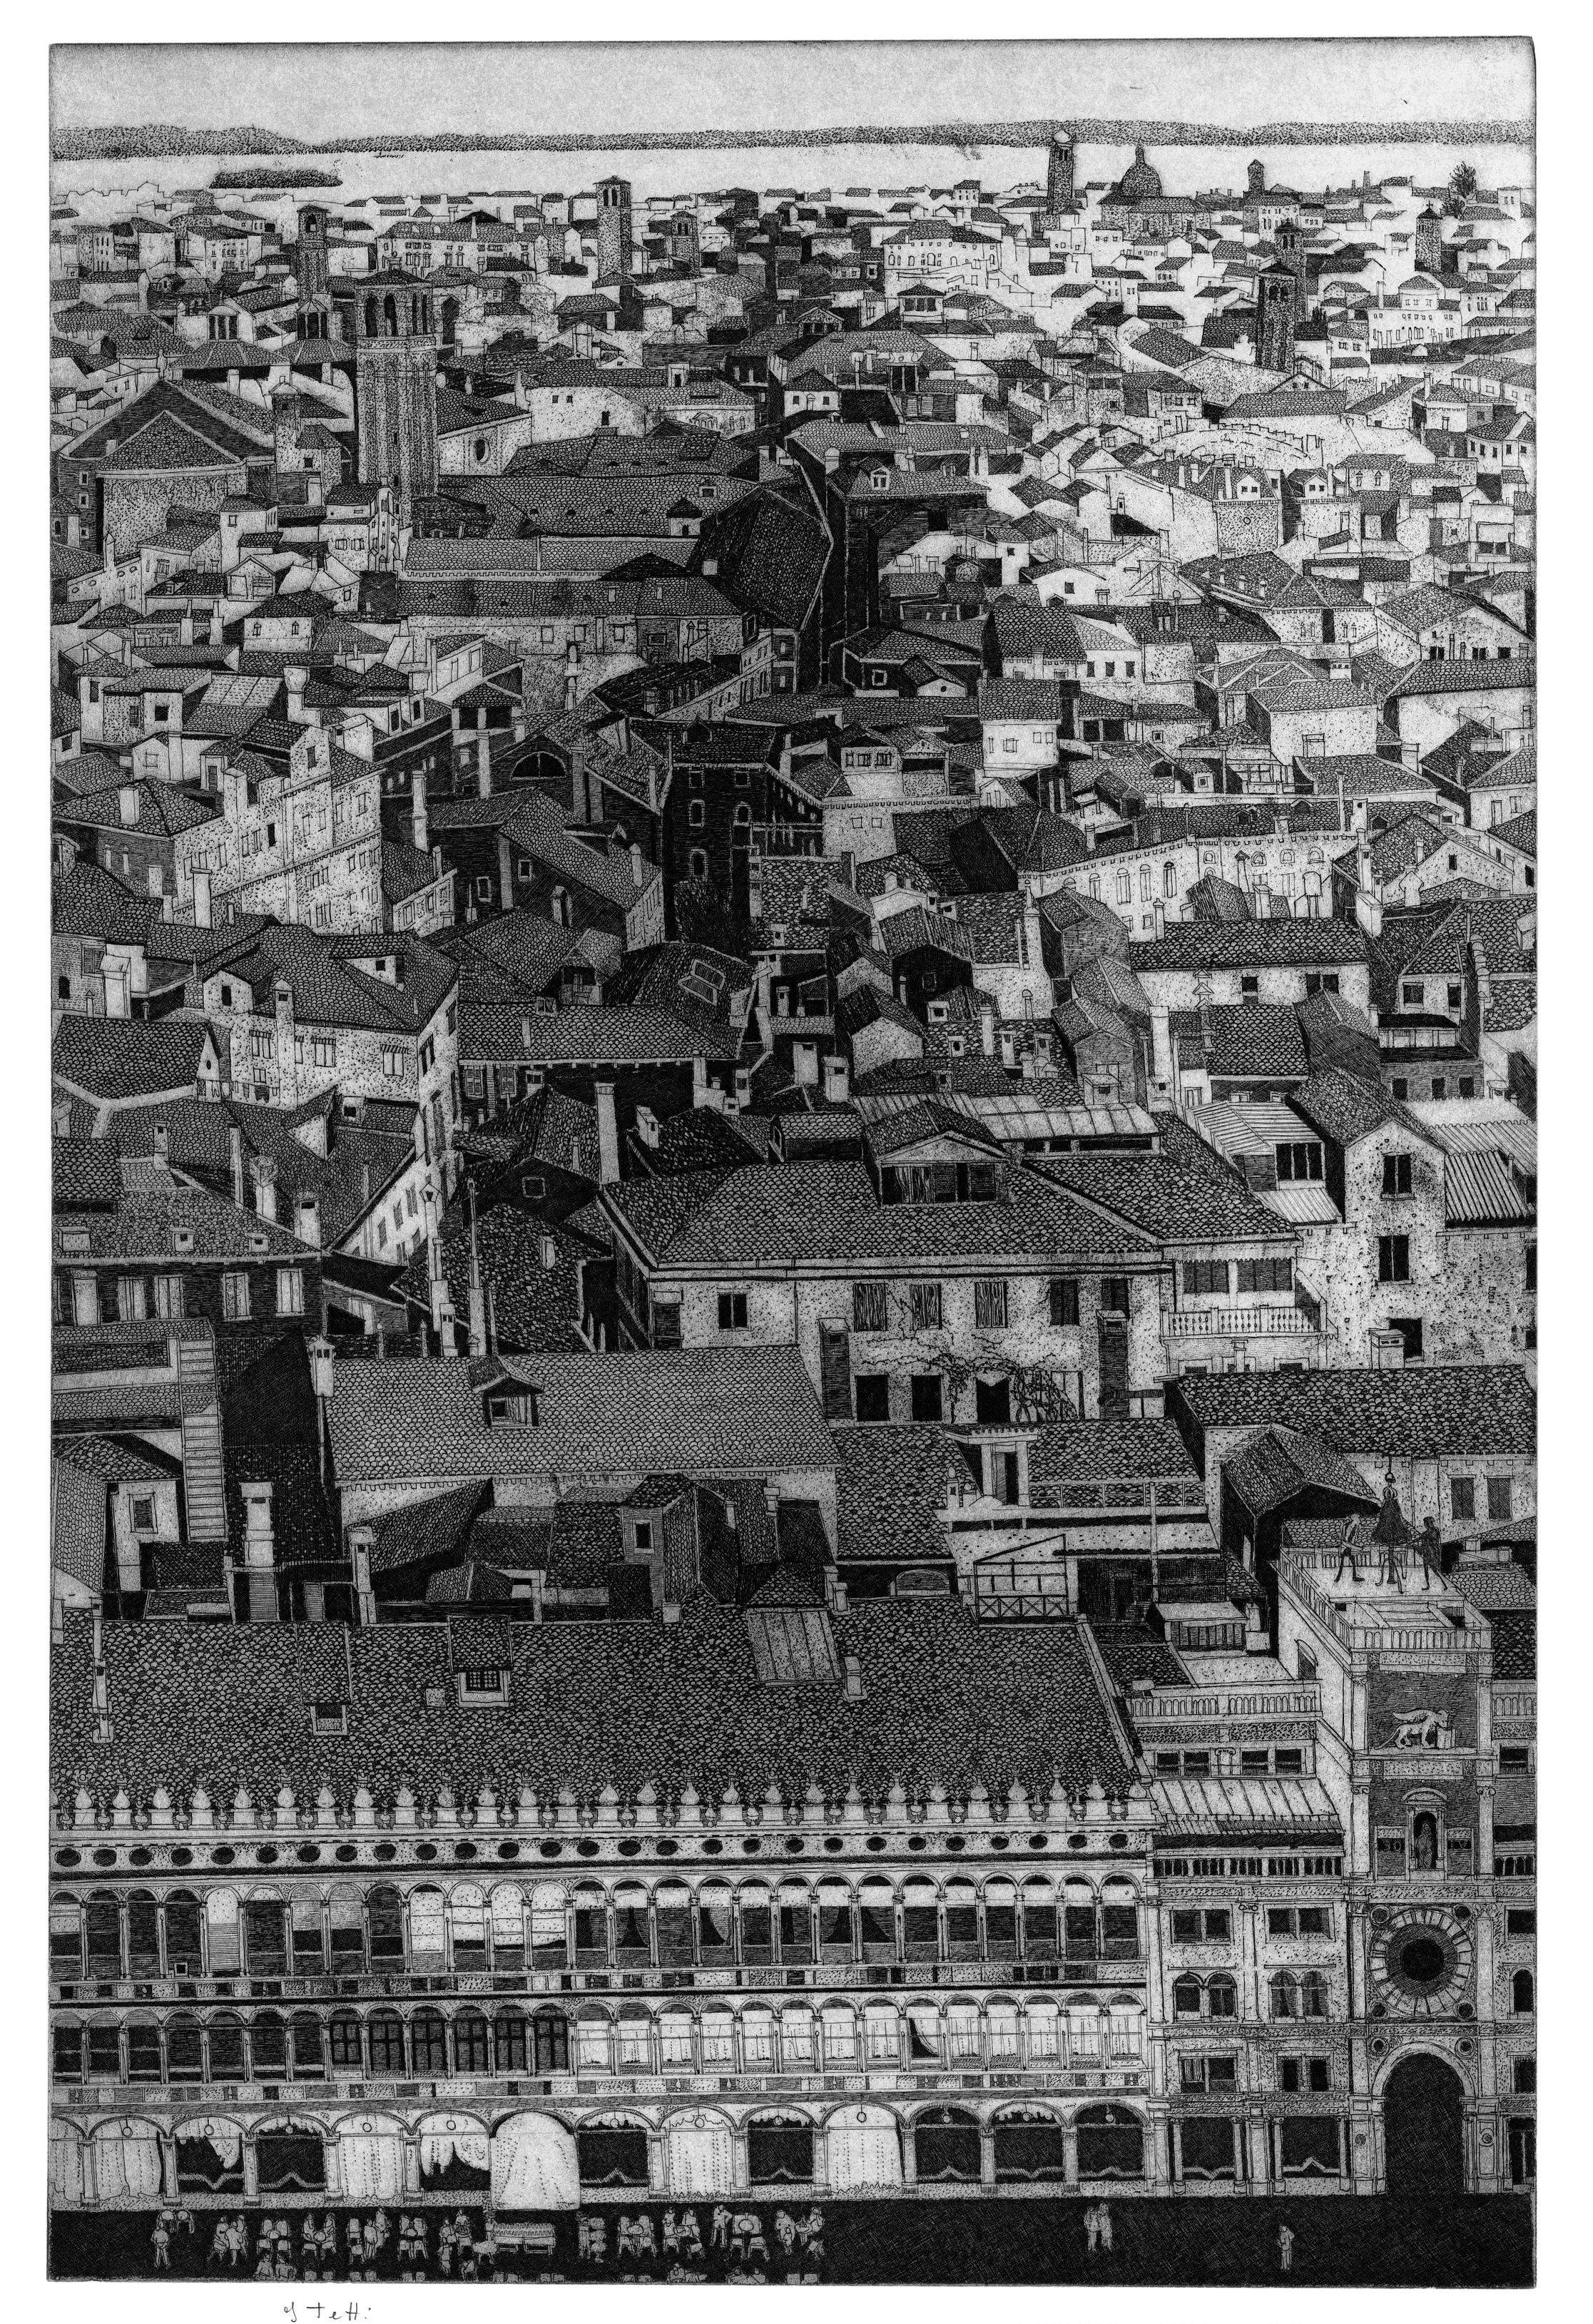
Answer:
(1236, 1322)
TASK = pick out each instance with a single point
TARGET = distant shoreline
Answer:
(161, 139)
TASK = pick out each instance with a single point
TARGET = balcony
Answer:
(1253, 1322)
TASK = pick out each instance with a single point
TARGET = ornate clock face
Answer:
(1421, 1962)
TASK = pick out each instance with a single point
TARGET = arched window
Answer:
(797, 2040)
(779, 2150)
(924, 2033)
(1147, 883)
(675, 2048)
(551, 2040)
(1521, 1993)
(964, 2035)
(595, 2044)
(265, 1936)
(308, 2062)
(144, 2062)
(346, 1920)
(346, 2043)
(387, 1928)
(472, 2045)
(427, 1930)
(386, 2035)
(1186, 1996)
(428, 2043)
(1042, 2025)
(507, 1918)
(209, 2159)
(510, 2050)
(1000, 1920)
(633, 1942)
(184, 1934)
(467, 1927)
(1285, 1999)
(144, 1934)
(1039, 1920)
(268, 2047)
(104, 1918)
(947, 2144)
(1169, 880)
(1111, 2143)
(1313, 1994)
(371, 316)
(185, 2056)
(921, 1920)
(291, 2158)
(716, 1930)
(611, 2152)
(796, 1918)
(1119, 1922)
(1222, 1998)
(309, 1955)
(222, 1931)
(390, 321)
(1029, 2144)
(716, 2039)
(876, 1912)
(840, 2037)
(592, 1939)
(674, 1907)
(1425, 1842)
(225, 2038)
(633, 2040)
(962, 1906)
(1078, 1921)
(66, 1938)
(755, 1913)
(835, 1920)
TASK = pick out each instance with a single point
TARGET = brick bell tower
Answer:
(395, 386)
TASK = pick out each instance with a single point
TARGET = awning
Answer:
(534, 2165)
(1290, 1810)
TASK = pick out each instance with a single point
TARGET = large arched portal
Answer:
(1424, 2128)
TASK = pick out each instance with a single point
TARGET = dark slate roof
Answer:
(128, 1056)
(1084, 1451)
(823, 1210)
(891, 1484)
(1421, 1413)
(1283, 1461)
(715, 1410)
(1252, 944)
(1345, 1108)
(1248, 1042)
(1179, 1195)
(944, 1700)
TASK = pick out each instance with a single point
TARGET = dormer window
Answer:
(329, 1719)
(182, 1239)
(641, 1537)
(506, 1408)
(480, 1690)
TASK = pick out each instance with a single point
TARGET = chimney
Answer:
(260, 1552)
(417, 809)
(647, 1125)
(638, 879)
(837, 1080)
(361, 1541)
(306, 1219)
(201, 900)
(1388, 1351)
(320, 1368)
(127, 801)
(608, 1136)
(478, 1305)
(854, 1679)
(572, 676)
(235, 1143)
(162, 1142)
(293, 681)
(548, 1250)
(263, 1172)
(484, 756)
(987, 1028)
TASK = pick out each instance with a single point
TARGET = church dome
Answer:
(1140, 182)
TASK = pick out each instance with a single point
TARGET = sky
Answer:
(346, 89)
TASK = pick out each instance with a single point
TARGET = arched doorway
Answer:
(1424, 2128)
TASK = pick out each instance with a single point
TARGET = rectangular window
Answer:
(1065, 1300)
(928, 1394)
(1531, 1266)
(169, 1297)
(1266, 1274)
(868, 1307)
(926, 1307)
(289, 1291)
(665, 1323)
(989, 1304)
(1391, 1856)
(1394, 1259)
(1462, 1497)
(1499, 1499)
(733, 1311)
(1205, 1277)
(873, 1396)
(1114, 1295)
(130, 1298)
(1521, 1921)
(1396, 1176)
(235, 1297)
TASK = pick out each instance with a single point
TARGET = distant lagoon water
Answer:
(101, 187)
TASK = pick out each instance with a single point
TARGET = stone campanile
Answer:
(395, 383)
(312, 265)
(613, 230)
